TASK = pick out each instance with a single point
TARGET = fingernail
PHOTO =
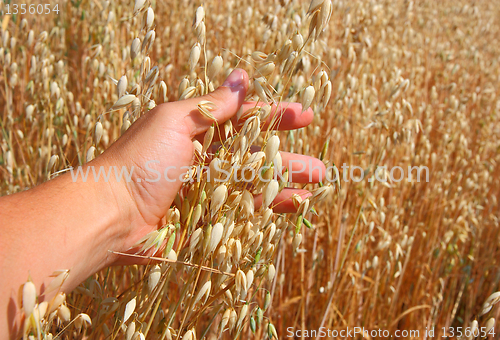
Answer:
(235, 79)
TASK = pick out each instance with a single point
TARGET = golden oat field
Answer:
(391, 83)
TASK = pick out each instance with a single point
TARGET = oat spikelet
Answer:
(237, 251)
(121, 86)
(308, 97)
(272, 331)
(489, 325)
(204, 107)
(123, 101)
(215, 237)
(215, 67)
(154, 277)
(139, 5)
(315, 5)
(218, 199)
(271, 272)
(163, 91)
(98, 132)
(266, 69)
(241, 282)
(255, 158)
(129, 309)
(148, 41)
(90, 154)
(126, 124)
(189, 335)
(203, 292)
(258, 56)
(29, 297)
(188, 93)
(130, 331)
(40, 311)
(194, 56)
(57, 282)
(271, 148)
(259, 90)
(321, 193)
(82, 320)
(247, 203)
(198, 17)
(269, 193)
(52, 161)
(232, 319)
(201, 32)
(29, 112)
(297, 41)
(207, 139)
(243, 314)
(195, 240)
(135, 48)
(225, 318)
(183, 85)
(250, 277)
(473, 329)
(297, 240)
(56, 301)
(150, 17)
(64, 313)
(172, 256)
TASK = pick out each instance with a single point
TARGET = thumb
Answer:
(227, 99)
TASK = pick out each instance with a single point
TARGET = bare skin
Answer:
(63, 224)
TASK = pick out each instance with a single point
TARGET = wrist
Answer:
(110, 204)
(65, 223)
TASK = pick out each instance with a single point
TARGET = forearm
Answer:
(60, 224)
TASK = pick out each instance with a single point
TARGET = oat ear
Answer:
(28, 297)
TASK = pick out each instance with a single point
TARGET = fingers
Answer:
(285, 116)
(283, 202)
(184, 116)
(303, 169)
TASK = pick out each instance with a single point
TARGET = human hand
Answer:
(75, 223)
(165, 135)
